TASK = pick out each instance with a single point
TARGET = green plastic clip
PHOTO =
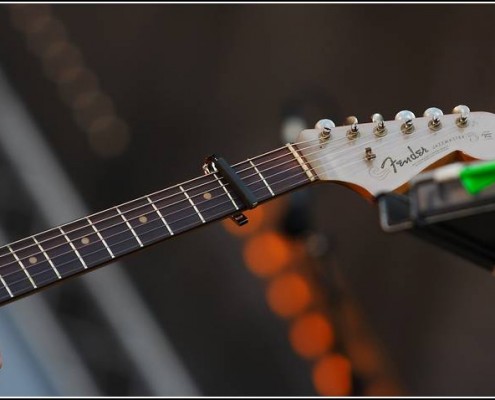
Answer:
(476, 178)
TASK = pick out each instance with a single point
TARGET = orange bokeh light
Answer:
(383, 387)
(332, 376)
(267, 254)
(311, 335)
(364, 356)
(288, 294)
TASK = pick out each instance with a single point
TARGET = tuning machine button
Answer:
(379, 129)
(407, 116)
(325, 127)
(433, 114)
(353, 132)
(462, 121)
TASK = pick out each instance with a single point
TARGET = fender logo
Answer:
(487, 135)
(398, 163)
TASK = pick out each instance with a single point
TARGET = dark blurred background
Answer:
(129, 99)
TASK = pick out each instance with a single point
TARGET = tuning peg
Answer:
(354, 131)
(380, 125)
(433, 114)
(462, 121)
(325, 127)
(406, 116)
(380, 129)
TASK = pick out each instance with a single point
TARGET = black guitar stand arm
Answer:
(444, 213)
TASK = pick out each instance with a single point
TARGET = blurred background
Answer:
(100, 104)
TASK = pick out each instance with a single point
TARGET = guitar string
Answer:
(86, 226)
(176, 186)
(160, 199)
(168, 215)
(333, 141)
(164, 198)
(122, 231)
(132, 238)
(192, 188)
(250, 167)
(221, 214)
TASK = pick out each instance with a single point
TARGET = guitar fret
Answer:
(73, 248)
(301, 162)
(47, 258)
(146, 222)
(115, 231)
(226, 191)
(6, 286)
(34, 261)
(252, 181)
(130, 227)
(261, 176)
(160, 215)
(60, 252)
(13, 274)
(282, 171)
(101, 238)
(22, 266)
(211, 198)
(87, 242)
(192, 203)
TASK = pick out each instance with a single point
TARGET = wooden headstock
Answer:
(384, 156)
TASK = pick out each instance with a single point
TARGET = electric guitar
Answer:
(371, 158)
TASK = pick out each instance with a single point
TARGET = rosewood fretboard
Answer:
(40, 260)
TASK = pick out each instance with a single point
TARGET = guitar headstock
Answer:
(383, 156)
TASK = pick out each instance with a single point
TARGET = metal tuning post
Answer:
(353, 132)
(407, 116)
(462, 121)
(379, 129)
(433, 114)
(325, 127)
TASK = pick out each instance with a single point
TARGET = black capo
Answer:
(214, 163)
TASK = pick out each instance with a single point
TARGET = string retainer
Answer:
(219, 165)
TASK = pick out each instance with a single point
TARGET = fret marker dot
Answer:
(84, 240)
(143, 219)
(33, 260)
(207, 196)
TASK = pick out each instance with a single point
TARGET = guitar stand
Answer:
(444, 213)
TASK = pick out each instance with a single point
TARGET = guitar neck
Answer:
(33, 263)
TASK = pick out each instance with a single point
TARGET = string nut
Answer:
(353, 132)
(379, 129)
(433, 114)
(462, 121)
(325, 127)
(407, 116)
